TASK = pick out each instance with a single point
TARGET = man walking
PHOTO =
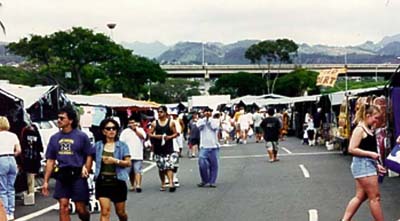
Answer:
(161, 133)
(72, 150)
(271, 126)
(134, 136)
(209, 149)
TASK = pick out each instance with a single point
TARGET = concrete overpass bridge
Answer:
(214, 71)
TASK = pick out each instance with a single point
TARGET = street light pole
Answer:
(111, 26)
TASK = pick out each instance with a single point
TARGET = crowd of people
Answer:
(116, 160)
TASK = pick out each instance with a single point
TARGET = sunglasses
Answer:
(61, 117)
(110, 128)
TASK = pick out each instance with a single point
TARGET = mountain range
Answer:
(385, 51)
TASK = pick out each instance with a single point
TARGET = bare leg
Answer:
(132, 180)
(121, 211)
(194, 150)
(371, 187)
(82, 211)
(138, 180)
(270, 154)
(3, 215)
(105, 211)
(64, 210)
(162, 174)
(355, 202)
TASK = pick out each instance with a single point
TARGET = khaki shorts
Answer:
(272, 145)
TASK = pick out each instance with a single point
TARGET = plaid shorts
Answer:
(167, 162)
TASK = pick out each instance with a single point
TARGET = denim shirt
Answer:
(120, 152)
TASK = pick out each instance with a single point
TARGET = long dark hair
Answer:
(103, 125)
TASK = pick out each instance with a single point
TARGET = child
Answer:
(305, 135)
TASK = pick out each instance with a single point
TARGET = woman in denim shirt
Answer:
(112, 162)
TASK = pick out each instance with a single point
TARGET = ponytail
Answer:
(364, 110)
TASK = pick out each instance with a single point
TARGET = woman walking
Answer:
(365, 165)
(9, 148)
(112, 160)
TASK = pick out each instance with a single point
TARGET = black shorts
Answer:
(116, 193)
(194, 141)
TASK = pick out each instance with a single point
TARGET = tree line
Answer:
(84, 62)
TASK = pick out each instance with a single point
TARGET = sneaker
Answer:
(10, 217)
(176, 184)
(201, 185)
(213, 186)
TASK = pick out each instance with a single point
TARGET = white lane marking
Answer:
(55, 206)
(286, 150)
(38, 213)
(228, 145)
(152, 165)
(282, 155)
(313, 215)
(305, 171)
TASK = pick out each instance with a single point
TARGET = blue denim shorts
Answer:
(137, 166)
(363, 167)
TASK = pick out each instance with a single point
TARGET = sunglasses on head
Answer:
(110, 128)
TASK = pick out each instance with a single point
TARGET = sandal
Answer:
(163, 188)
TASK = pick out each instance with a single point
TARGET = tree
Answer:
(270, 51)
(263, 51)
(131, 74)
(71, 51)
(239, 84)
(284, 49)
(18, 76)
(93, 60)
(297, 82)
(174, 90)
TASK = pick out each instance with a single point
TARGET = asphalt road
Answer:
(308, 183)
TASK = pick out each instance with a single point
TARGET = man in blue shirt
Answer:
(72, 150)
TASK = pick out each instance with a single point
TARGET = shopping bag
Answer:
(21, 182)
(392, 161)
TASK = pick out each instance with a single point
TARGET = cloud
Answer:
(339, 22)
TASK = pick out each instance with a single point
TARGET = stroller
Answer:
(94, 204)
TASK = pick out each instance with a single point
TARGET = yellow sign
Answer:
(328, 77)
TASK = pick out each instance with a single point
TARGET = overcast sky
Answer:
(332, 22)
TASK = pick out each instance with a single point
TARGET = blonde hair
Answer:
(4, 124)
(364, 110)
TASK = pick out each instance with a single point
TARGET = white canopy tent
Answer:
(28, 95)
(211, 101)
(109, 100)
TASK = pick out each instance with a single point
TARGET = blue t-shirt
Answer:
(69, 149)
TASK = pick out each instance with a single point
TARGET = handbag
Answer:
(392, 161)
